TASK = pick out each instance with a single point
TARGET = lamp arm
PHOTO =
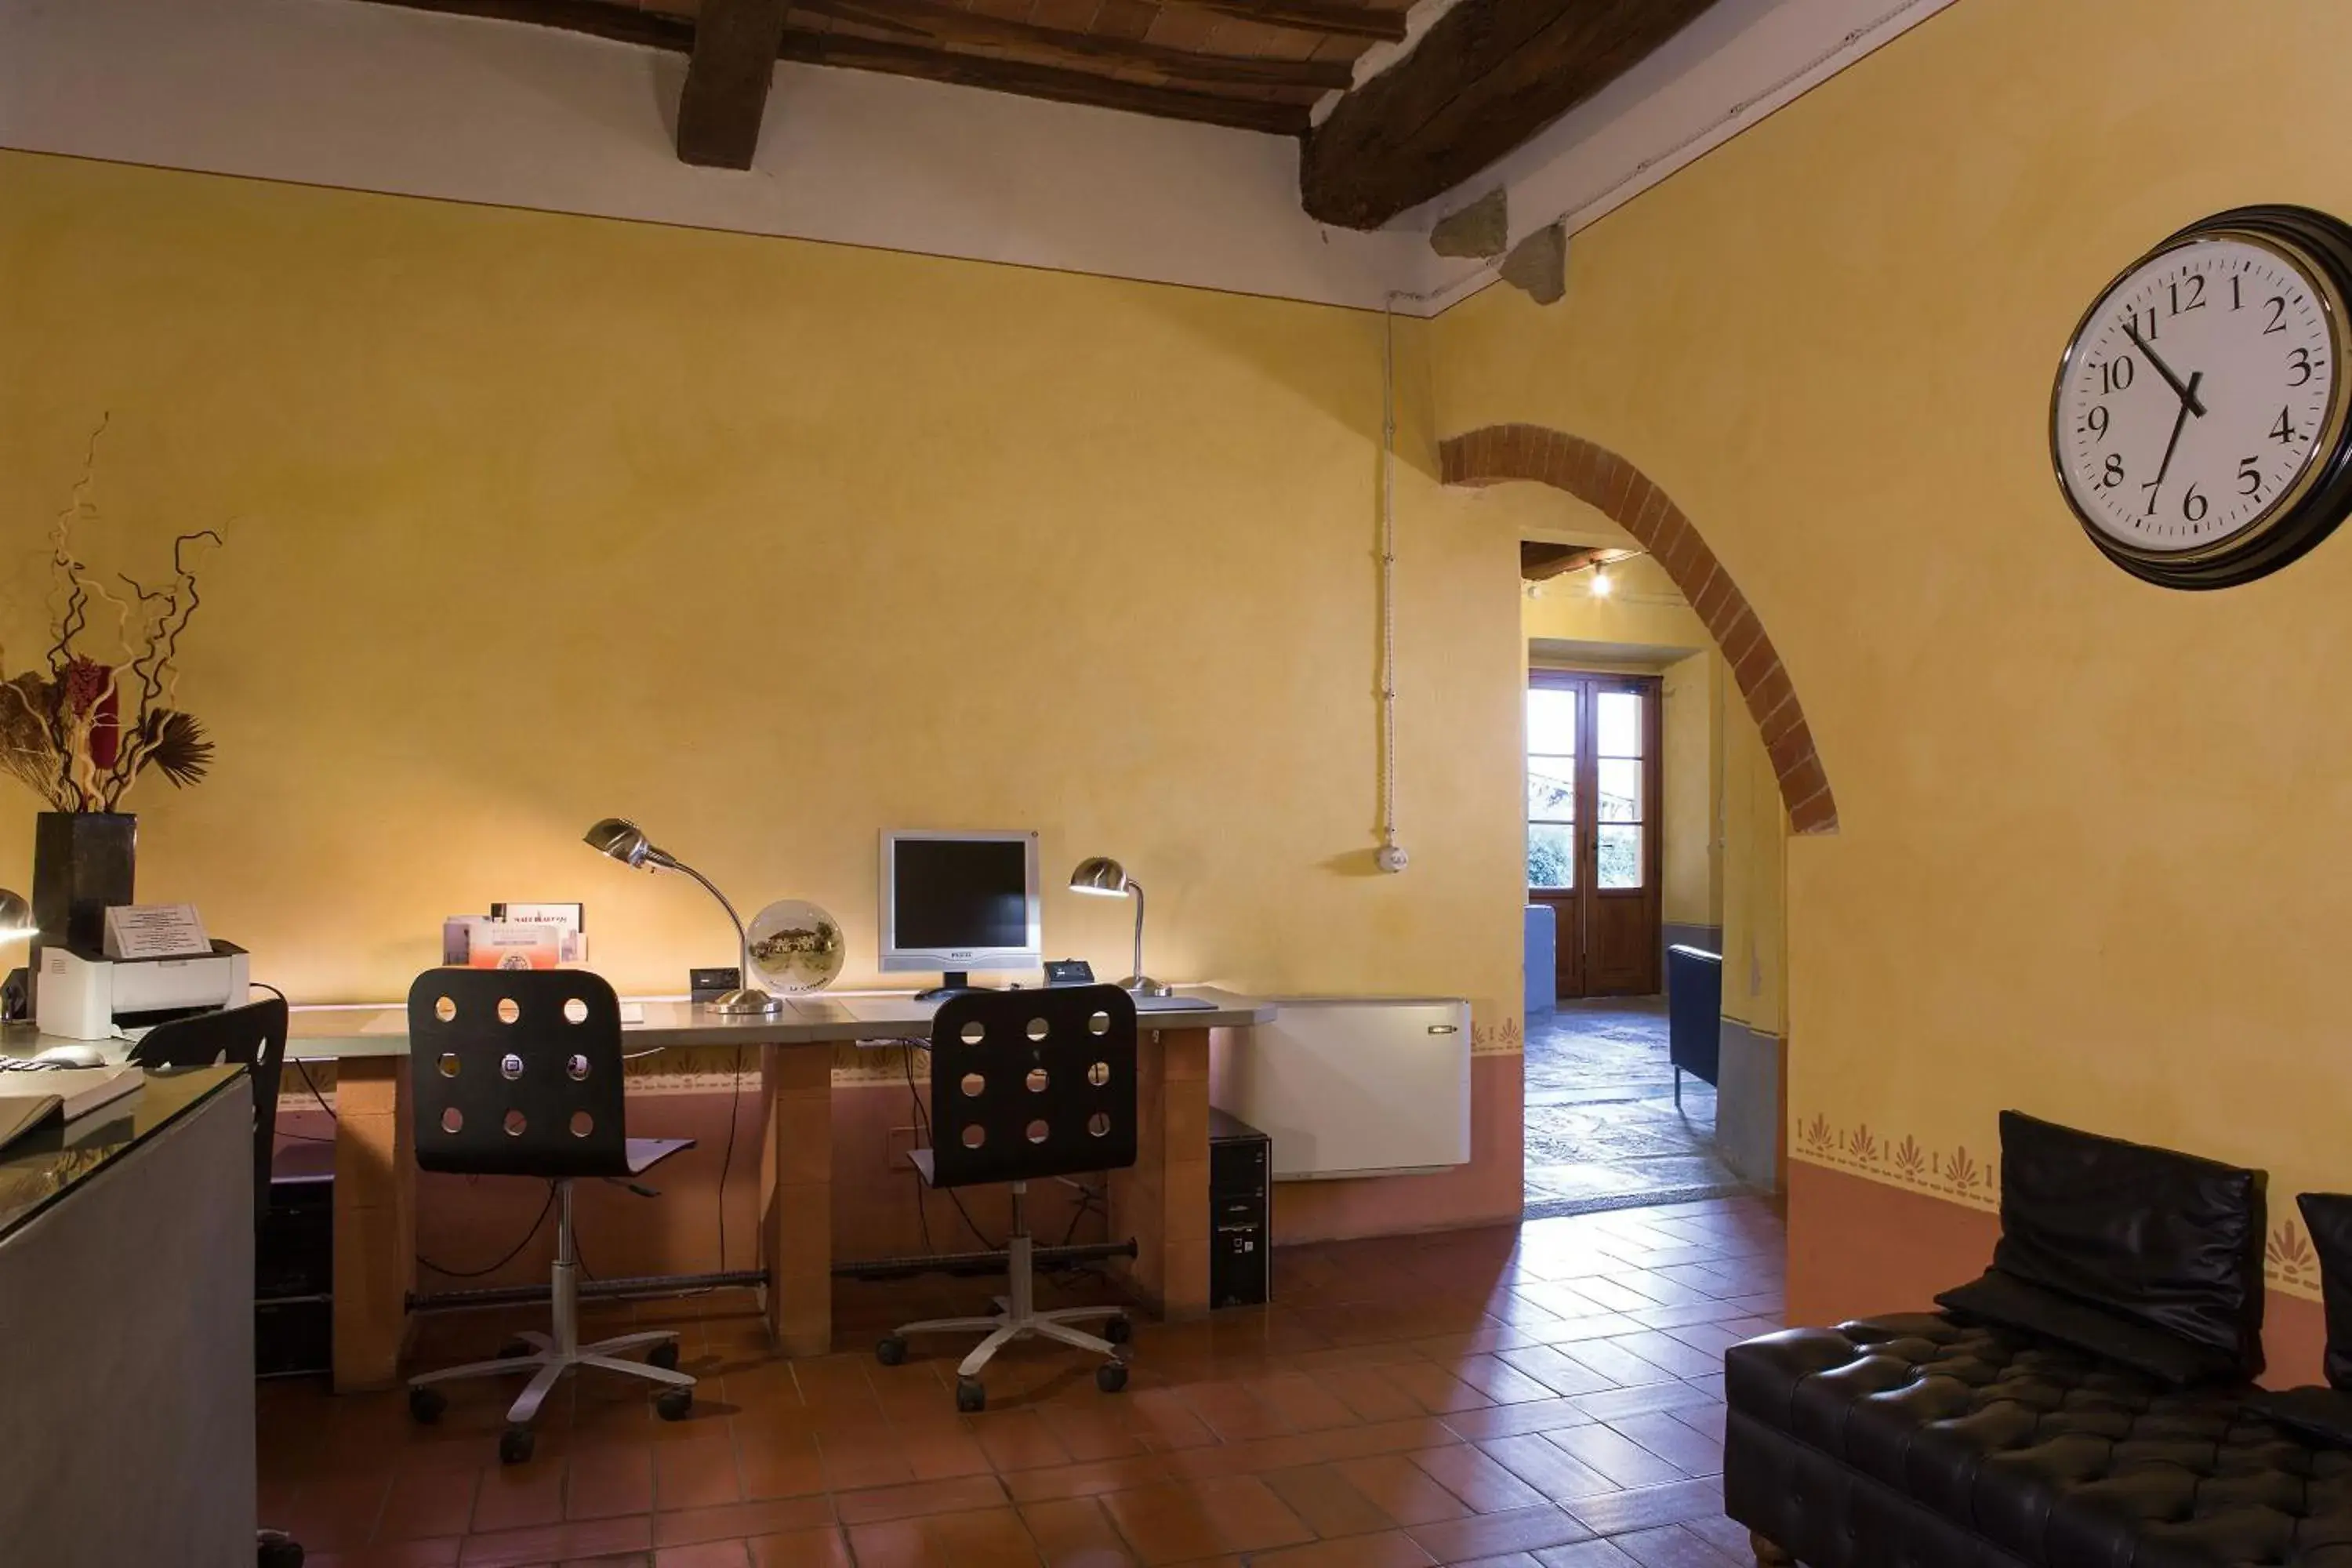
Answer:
(1137, 889)
(742, 938)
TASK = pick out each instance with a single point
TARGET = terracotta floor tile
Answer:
(1400, 1488)
(427, 1503)
(1085, 1480)
(1584, 1555)
(557, 1542)
(1672, 1547)
(736, 1520)
(1433, 1388)
(824, 1548)
(1163, 1524)
(1301, 1403)
(1326, 1502)
(1382, 1437)
(938, 1449)
(1614, 1455)
(1091, 1431)
(1494, 1535)
(1018, 1441)
(1389, 1549)
(1249, 1516)
(1510, 1420)
(1691, 1451)
(604, 1483)
(1551, 1471)
(337, 1511)
(700, 1473)
(854, 1463)
(918, 1498)
(438, 1553)
(1649, 1507)
(1476, 1480)
(989, 1538)
(705, 1555)
(1368, 1392)
(1074, 1532)
(1232, 1413)
(1244, 1458)
(771, 1463)
(513, 1497)
(1671, 1395)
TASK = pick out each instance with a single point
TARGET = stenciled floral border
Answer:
(1973, 1176)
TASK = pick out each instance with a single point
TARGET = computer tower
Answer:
(294, 1266)
(1241, 1212)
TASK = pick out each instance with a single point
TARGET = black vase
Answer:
(83, 864)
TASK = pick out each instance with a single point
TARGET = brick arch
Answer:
(1602, 479)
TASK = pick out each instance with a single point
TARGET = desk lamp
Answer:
(626, 842)
(16, 918)
(1106, 878)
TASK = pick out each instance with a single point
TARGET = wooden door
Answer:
(1592, 827)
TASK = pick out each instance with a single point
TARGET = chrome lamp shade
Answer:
(1104, 878)
(624, 841)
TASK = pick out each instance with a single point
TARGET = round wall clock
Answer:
(2199, 422)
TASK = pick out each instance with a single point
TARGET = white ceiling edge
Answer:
(376, 97)
(1728, 70)
(357, 96)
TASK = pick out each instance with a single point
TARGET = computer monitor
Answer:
(955, 902)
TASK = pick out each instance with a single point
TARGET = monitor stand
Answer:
(954, 983)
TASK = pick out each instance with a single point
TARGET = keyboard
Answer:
(27, 1064)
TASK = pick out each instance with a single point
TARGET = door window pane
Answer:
(1552, 789)
(1618, 717)
(1621, 791)
(1551, 855)
(1619, 854)
(1552, 721)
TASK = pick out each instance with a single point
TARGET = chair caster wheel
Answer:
(891, 1351)
(674, 1404)
(664, 1355)
(1119, 1331)
(1111, 1376)
(515, 1349)
(426, 1405)
(515, 1445)
(276, 1549)
(970, 1397)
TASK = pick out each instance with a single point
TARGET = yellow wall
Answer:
(1691, 875)
(533, 519)
(2090, 830)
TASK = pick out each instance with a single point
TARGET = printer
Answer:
(85, 995)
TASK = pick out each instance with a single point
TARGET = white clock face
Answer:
(2196, 395)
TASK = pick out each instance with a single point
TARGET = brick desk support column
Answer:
(376, 1221)
(796, 1186)
(1163, 1202)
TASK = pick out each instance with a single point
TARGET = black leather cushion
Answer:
(2011, 1302)
(2324, 1414)
(2329, 1217)
(1920, 1440)
(2166, 1239)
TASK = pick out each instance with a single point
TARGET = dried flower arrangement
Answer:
(81, 730)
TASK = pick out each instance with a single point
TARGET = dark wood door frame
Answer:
(1609, 939)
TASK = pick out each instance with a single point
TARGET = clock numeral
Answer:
(2154, 487)
(2250, 477)
(2301, 364)
(2111, 473)
(2095, 421)
(2144, 327)
(2278, 315)
(2115, 376)
(2196, 281)
(2193, 506)
(2284, 432)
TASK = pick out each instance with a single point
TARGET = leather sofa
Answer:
(2088, 1403)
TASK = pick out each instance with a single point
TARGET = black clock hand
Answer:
(2188, 394)
(2179, 420)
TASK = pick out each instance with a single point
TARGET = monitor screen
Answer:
(959, 900)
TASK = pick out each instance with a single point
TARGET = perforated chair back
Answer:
(1030, 1084)
(254, 1037)
(517, 1072)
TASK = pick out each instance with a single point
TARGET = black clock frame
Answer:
(2327, 242)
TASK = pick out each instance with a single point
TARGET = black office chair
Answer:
(1027, 1085)
(518, 1073)
(252, 1036)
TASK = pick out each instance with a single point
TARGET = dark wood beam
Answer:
(1488, 75)
(950, 24)
(1056, 82)
(727, 83)
(596, 17)
(1539, 562)
(1332, 16)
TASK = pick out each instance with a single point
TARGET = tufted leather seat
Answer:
(1923, 1441)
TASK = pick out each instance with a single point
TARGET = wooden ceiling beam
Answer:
(1056, 82)
(1540, 562)
(727, 82)
(595, 17)
(950, 24)
(1340, 21)
(1486, 76)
